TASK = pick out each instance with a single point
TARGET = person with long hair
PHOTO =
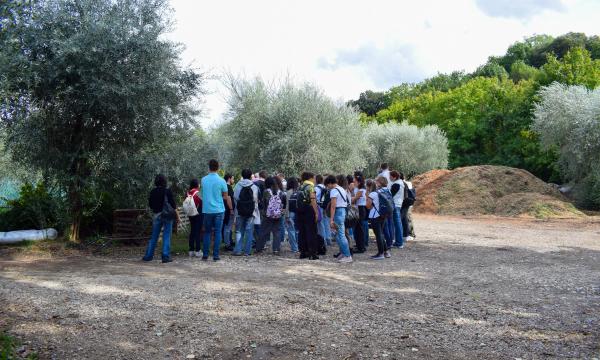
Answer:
(361, 228)
(376, 219)
(290, 213)
(164, 210)
(307, 217)
(195, 238)
(397, 190)
(273, 199)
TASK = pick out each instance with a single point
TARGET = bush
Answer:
(289, 128)
(35, 208)
(406, 148)
(568, 119)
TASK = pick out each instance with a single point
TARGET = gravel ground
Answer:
(466, 288)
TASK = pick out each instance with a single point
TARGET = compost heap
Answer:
(490, 190)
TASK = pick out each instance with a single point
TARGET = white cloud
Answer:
(348, 46)
(521, 9)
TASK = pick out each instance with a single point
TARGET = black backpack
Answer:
(325, 199)
(245, 203)
(293, 202)
(410, 196)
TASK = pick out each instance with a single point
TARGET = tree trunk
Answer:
(75, 199)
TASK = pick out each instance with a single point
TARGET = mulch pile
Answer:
(490, 190)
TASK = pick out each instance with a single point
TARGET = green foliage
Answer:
(87, 81)
(35, 208)
(288, 128)
(370, 102)
(519, 70)
(568, 119)
(491, 69)
(576, 68)
(407, 148)
(8, 348)
(486, 120)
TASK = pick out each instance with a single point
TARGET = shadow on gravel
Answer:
(429, 300)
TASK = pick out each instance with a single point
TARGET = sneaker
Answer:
(216, 259)
(275, 252)
(236, 254)
(191, 254)
(377, 257)
(198, 254)
(345, 259)
(314, 257)
(204, 258)
(387, 254)
(411, 238)
(146, 259)
(167, 260)
(399, 246)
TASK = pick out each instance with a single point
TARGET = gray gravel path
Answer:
(466, 288)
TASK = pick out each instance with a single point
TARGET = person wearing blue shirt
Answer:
(214, 191)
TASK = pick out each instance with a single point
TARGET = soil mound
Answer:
(490, 190)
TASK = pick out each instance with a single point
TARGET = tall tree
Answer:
(84, 81)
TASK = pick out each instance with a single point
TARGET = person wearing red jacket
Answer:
(195, 221)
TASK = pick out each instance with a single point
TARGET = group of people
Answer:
(313, 211)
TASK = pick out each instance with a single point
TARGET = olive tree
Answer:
(406, 148)
(84, 81)
(567, 118)
(288, 128)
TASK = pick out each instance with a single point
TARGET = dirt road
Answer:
(466, 288)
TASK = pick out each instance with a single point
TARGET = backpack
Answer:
(293, 203)
(275, 206)
(260, 184)
(303, 196)
(386, 203)
(410, 196)
(325, 199)
(189, 206)
(245, 203)
(168, 212)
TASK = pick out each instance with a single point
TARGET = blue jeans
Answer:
(339, 218)
(244, 226)
(282, 229)
(227, 231)
(290, 224)
(212, 223)
(323, 227)
(157, 224)
(388, 231)
(398, 227)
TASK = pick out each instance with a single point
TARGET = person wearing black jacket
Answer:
(229, 219)
(159, 201)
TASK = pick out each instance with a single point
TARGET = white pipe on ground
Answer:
(13, 237)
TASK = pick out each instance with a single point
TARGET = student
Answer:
(337, 211)
(163, 218)
(214, 190)
(196, 220)
(229, 218)
(321, 196)
(361, 229)
(280, 184)
(377, 220)
(397, 191)
(260, 183)
(245, 194)
(407, 223)
(273, 200)
(385, 172)
(290, 213)
(307, 217)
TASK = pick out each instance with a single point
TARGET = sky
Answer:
(346, 47)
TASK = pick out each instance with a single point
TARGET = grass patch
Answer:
(9, 346)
